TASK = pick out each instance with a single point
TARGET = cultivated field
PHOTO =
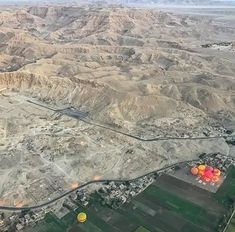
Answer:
(165, 206)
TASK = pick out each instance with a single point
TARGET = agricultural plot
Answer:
(231, 227)
(177, 214)
(191, 193)
(167, 205)
(226, 192)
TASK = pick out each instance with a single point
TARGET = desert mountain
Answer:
(127, 66)
(141, 71)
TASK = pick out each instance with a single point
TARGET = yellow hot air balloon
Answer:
(201, 169)
(82, 217)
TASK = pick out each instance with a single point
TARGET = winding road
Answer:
(93, 182)
(109, 180)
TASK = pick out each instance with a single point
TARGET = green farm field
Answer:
(160, 208)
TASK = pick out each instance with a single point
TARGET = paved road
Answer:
(93, 182)
(103, 181)
(81, 116)
(157, 138)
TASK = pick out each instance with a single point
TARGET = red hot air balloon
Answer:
(209, 168)
(209, 174)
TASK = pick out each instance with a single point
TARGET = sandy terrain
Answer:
(140, 71)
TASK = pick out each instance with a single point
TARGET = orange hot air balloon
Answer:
(216, 172)
(201, 172)
(201, 169)
(215, 179)
(194, 171)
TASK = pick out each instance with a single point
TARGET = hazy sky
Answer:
(75, 0)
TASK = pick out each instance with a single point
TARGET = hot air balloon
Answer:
(208, 174)
(201, 169)
(216, 172)
(215, 179)
(209, 168)
(194, 171)
(82, 217)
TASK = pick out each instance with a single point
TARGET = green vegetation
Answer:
(50, 223)
(185, 209)
(231, 227)
(226, 192)
(141, 229)
(154, 210)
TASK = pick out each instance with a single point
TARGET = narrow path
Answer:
(228, 223)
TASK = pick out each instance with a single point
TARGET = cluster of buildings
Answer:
(220, 161)
(83, 198)
(219, 44)
(115, 194)
(27, 219)
(19, 221)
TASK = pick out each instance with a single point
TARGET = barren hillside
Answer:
(145, 72)
(149, 62)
